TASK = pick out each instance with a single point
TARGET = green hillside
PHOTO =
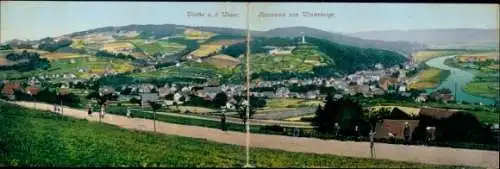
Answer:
(36, 138)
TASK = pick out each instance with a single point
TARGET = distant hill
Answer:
(435, 36)
(159, 31)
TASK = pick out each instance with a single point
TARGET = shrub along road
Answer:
(410, 153)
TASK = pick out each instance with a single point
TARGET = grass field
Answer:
(35, 138)
(62, 66)
(303, 59)
(58, 56)
(161, 46)
(223, 61)
(485, 85)
(116, 46)
(205, 50)
(430, 78)
(291, 103)
(187, 69)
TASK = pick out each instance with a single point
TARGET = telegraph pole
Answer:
(247, 126)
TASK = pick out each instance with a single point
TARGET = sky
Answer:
(35, 20)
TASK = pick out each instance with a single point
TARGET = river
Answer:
(458, 76)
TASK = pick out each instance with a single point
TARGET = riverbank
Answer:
(485, 83)
(457, 81)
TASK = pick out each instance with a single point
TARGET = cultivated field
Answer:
(36, 138)
(291, 103)
(116, 46)
(192, 34)
(59, 56)
(430, 78)
(161, 46)
(205, 50)
(78, 44)
(223, 61)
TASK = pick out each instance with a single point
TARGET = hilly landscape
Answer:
(438, 38)
(175, 52)
(169, 29)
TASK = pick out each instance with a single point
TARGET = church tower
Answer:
(303, 38)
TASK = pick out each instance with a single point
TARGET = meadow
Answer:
(205, 50)
(291, 103)
(161, 46)
(223, 61)
(59, 55)
(62, 66)
(485, 85)
(36, 138)
(430, 78)
(303, 59)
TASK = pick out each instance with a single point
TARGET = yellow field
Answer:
(116, 46)
(205, 50)
(425, 55)
(227, 42)
(57, 56)
(77, 44)
(223, 61)
(197, 35)
(428, 78)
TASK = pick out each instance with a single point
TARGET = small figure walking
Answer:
(223, 122)
(129, 113)
(406, 132)
(372, 146)
(356, 132)
(90, 112)
(337, 130)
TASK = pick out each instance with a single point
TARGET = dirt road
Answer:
(410, 153)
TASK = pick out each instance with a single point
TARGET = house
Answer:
(209, 92)
(105, 90)
(32, 90)
(177, 97)
(384, 129)
(148, 69)
(282, 92)
(9, 88)
(146, 97)
(422, 98)
(163, 91)
(146, 88)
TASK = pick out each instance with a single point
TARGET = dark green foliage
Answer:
(346, 112)
(5, 47)
(111, 55)
(220, 99)
(51, 97)
(28, 61)
(50, 45)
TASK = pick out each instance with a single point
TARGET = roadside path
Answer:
(409, 153)
(236, 120)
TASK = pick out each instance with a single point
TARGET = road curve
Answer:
(409, 153)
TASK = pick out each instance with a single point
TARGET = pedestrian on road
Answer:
(90, 111)
(372, 144)
(337, 130)
(406, 132)
(356, 132)
(128, 113)
(223, 122)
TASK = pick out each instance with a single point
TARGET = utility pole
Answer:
(247, 126)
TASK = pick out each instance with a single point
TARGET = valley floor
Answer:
(409, 153)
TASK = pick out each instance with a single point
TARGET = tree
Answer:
(346, 112)
(241, 108)
(156, 107)
(325, 118)
(220, 99)
(102, 99)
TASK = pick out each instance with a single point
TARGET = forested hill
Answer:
(347, 59)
